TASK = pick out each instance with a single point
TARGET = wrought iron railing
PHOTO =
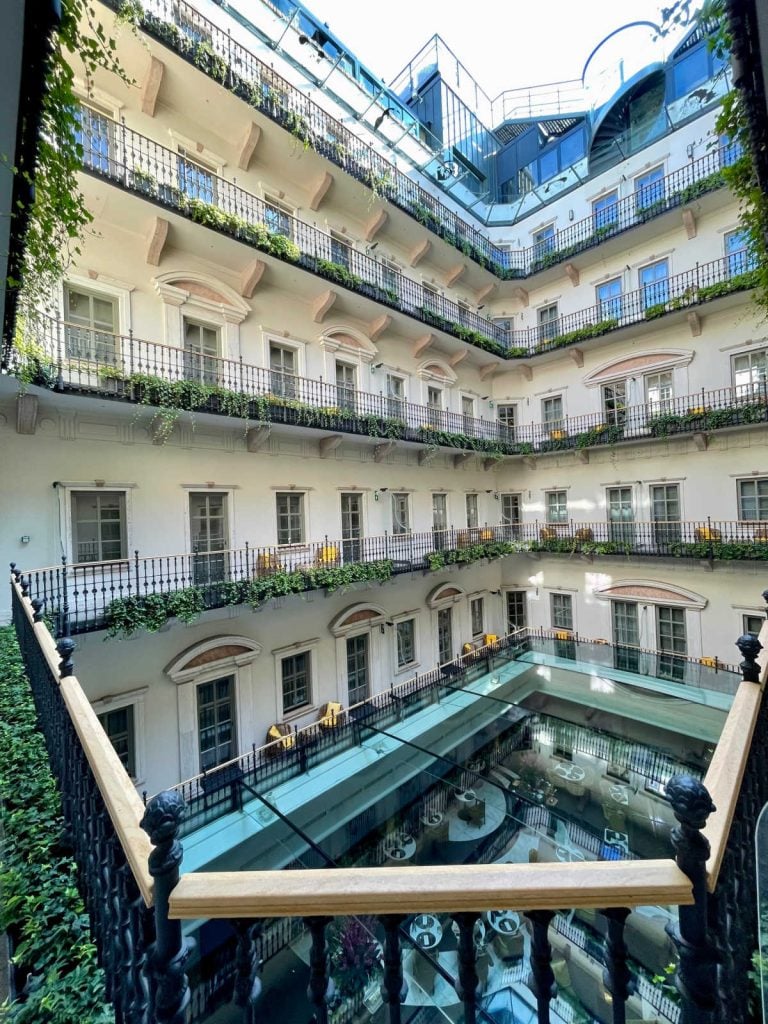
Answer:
(124, 157)
(180, 26)
(71, 357)
(145, 959)
(85, 597)
(135, 162)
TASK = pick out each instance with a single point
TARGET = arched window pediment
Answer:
(184, 286)
(651, 592)
(217, 652)
(638, 364)
(357, 616)
(443, 594)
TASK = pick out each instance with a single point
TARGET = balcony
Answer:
(141, 593)
(252, 914)
(197, 40)
(72, 358)
(696, 414)
(133, 162)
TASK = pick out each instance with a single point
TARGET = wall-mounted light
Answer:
(484, 398)
(376, 366)
(496, 495)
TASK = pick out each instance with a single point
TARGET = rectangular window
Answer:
(340, 250)
(345, 385)
(552, 412)
(670, 626)
(752, 624)
(401, 512)
(390, 276)
(557, 506)
(434, 398)
(94, 132)
(544, 240)
(282, 370)
(278, 217)
(609, 299)
(98, 526)
(658, 391)
(357, 669)
(467, 406)
(665, 512)
(615, 403)
(740, 259)
(626, 629)
(753, 499)
(649, 189)
(621, 515)
(432, 298)
(395, 396)
(201, 352)
(749, 372)
(195, 180)
(216, 722)
(477, 616)
(730, 151)
(507, 417)
(296, 681)
(351, 526)
(654, 283)
(516, 610)
(510, 515)
(561, 607)
(90, 330)
(405, 632)
(547, 318)
(605, 213)
(209, 534)
(472, 513)
(445, 635)
(119, 726)
(290, 517)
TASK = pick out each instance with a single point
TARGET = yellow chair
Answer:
(562, 634)
(267, 562)
(705, 533)
(327, 555)
(584, 533)
(283, 732)
(329, 713)
(548, 533)
(709, 662)
(490, 638)
(486, 535)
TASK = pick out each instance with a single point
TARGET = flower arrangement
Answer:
(355, 954)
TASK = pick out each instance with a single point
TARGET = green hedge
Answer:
(41, 907)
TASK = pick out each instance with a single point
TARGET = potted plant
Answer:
(355, 955)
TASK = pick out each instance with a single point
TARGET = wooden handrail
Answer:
(438, 888)
(120, 798)
(726, 769)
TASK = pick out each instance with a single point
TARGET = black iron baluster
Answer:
(320, 987)
(541, 980)
(696, 977)
(169, 987)
(616, 976)
(247, 966)
(393, 986)
(468, 982)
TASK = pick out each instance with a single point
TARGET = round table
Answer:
(618, 793)
(571, 772)
(468, 796)
(402, 849)
(506, 922)
(426, 931)
(433, 820)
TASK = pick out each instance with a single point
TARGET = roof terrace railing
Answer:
(712, 873)
(180, 26)
(136, 592)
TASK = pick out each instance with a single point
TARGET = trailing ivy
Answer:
(129, 615)
(580, 334)
(41, 908)
(58, 214)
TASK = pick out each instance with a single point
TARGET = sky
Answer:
(511, 44)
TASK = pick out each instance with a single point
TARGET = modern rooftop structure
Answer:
(395, 458)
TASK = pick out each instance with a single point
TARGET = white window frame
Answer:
(408, 665)
(555, 490)
(397, 528)
(740, 500)
(66, 490)
(135, 699)
(553, 594)
(474, 601)
(296, 710)
(302, 494)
